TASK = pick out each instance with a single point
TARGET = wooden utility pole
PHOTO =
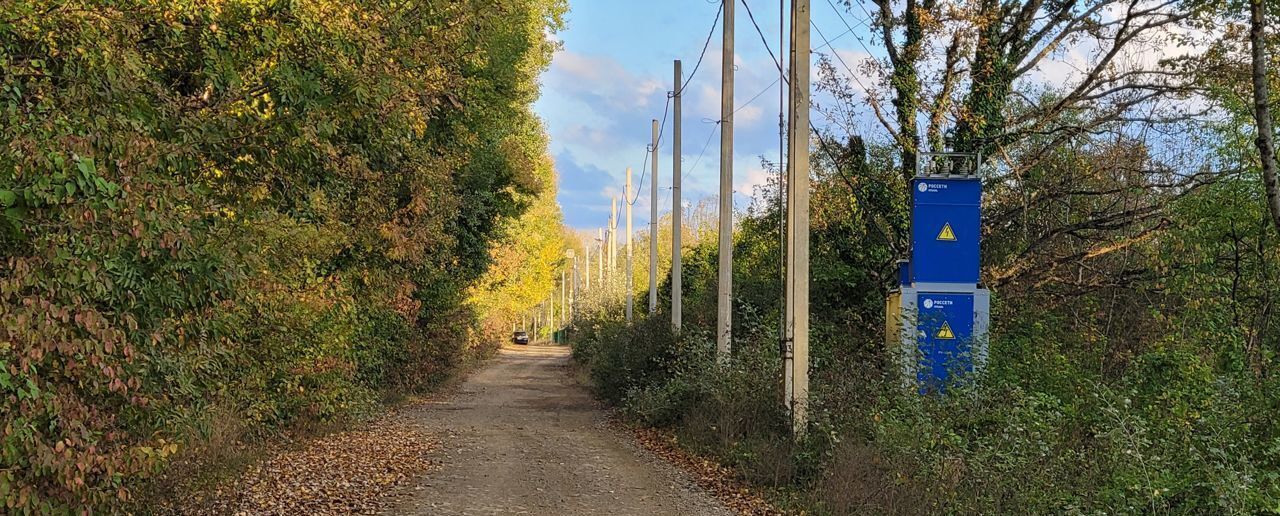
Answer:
(797, 284)
(676, 228)
(724, 297)
(631, 294)
(653, 220)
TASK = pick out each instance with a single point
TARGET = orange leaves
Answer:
(710, 475)
(344, 473)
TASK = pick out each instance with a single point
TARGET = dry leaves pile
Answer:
(710, 475)
(343, 473)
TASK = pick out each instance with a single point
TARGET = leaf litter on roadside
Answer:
(349, 472)
(710, 475)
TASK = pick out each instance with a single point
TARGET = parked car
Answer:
(520, 337)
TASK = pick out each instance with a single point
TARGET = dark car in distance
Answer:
(520, 337)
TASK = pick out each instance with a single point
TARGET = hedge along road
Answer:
(521, 437)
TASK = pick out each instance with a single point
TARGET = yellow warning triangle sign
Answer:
(947, 234)
(945, 333)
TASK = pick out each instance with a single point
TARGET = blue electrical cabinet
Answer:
(937, 320)
(944, 337)
(945, 225)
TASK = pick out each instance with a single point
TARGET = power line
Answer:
(822, 143)
(705, 45)
(644, 167)
(865, 23)
(841, 59)
(764, 40)
(705, 146)
(662, 128)
(762, 92)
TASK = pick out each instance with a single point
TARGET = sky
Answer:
(612, 77)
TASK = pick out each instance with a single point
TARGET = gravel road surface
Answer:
(520, 436)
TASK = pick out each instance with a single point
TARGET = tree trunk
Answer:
(1261, 111)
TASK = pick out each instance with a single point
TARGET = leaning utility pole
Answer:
(724, 298)
(626, 198)
(797, 299)
(653, 221)
(675, 201)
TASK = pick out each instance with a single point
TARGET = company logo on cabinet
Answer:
(930, 303)
(925, 187)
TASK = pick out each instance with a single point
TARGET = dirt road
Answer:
(521, 437)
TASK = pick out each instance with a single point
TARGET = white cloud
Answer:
(604, 78)
(748, 115)
(754, 176)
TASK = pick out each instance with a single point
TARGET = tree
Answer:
(1261, 108)
(984, 71)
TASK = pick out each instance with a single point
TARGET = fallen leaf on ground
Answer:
(709, 474)
(343, 473)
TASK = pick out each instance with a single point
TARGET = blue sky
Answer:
(612, 78)
(615, 70)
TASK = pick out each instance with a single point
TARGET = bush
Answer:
(267, 209)
(1154, 398)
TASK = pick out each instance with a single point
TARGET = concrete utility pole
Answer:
(675, 201)
(724, 298)
(613, 236)
(797, 302)
(600, 262)
(586, 284)
(653, 221)
(564, 299)
(575, 286)
(631, 294)
(551, 312)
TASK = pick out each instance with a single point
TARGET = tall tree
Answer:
(1261, 110)
(957, 64)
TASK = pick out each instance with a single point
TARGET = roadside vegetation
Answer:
(225, 220)
(1134, 268)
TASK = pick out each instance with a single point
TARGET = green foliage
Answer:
(1107, 391)
(273, 206)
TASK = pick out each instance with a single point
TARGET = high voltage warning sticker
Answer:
(945, 332)
(947, 234)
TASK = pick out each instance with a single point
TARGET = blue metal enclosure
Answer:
(937, 321)
(945, 225)
(944, 336)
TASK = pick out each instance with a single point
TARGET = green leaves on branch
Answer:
(244, 215)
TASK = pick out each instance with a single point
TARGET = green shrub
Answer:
(1157, 398)
(272, 209)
